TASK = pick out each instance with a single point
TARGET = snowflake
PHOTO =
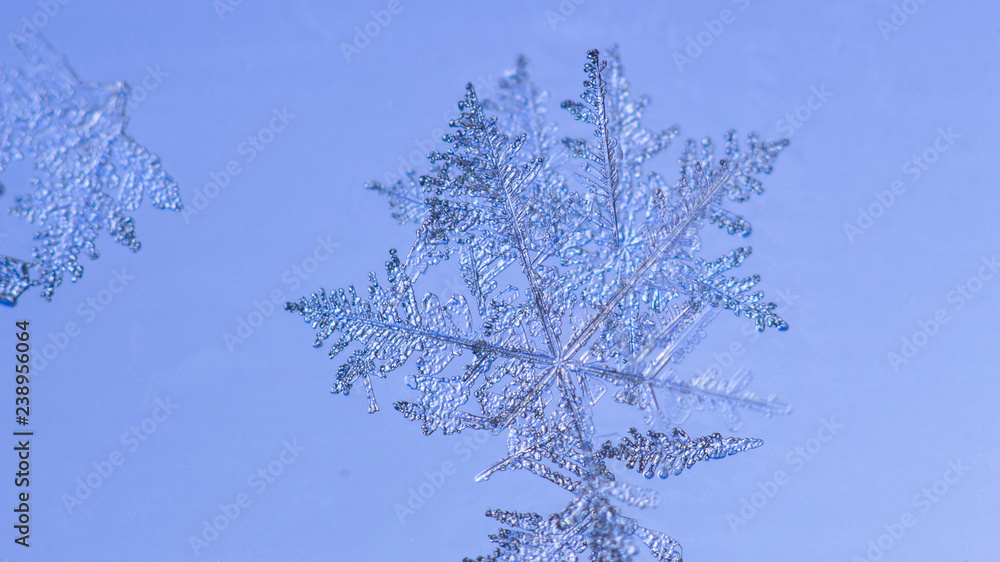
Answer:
(580, 273)
(90, 172)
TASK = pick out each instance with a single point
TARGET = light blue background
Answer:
(851, 302)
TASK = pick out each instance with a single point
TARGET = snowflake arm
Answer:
(91, 173)
(601, 173)
(661, 454)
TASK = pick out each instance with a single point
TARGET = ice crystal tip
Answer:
(578, 270)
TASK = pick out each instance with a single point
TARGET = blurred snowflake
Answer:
(580, 273)
(90, 172)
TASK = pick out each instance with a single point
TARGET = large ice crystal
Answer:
(90, 174)
(580, 273)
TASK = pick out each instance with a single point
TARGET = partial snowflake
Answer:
(90, 174)
(581, 275)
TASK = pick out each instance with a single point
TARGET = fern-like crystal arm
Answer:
(523, 104)
(406, 198)
(588, 523)
(393, 325)
(707, 278)
(758, 158)
(487, 159)
(663, 455)
(601, 172)
(637, 143)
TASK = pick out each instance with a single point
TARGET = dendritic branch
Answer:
(90, 173)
